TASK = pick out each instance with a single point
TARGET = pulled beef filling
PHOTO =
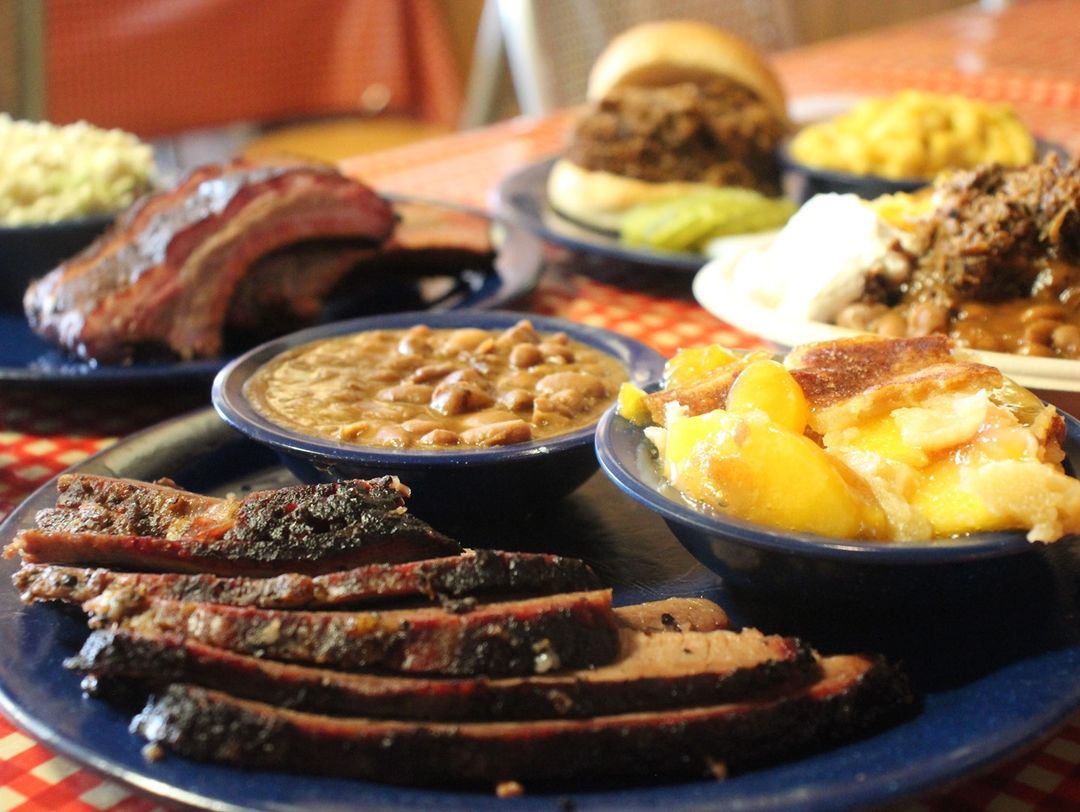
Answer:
(996, 266)
(716, 132)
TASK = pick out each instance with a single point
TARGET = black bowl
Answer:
(447, 484)
(30, 251)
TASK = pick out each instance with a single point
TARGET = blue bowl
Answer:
(446, 484)
(27, 252)
(802, 182)
(772, 561)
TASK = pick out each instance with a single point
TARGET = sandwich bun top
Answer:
(672, 51)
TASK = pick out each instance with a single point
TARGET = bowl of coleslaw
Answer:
(60, 188)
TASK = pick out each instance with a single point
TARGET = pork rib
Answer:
(288, 287)
(481, 572)
(165, 273)
(652, 671)
(853, 695)
(569, 630)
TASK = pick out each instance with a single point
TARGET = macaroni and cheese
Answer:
(915, 135)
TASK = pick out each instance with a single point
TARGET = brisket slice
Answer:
(569, 630)
(299, 511)
(309, 529)
(397, 537)
(165, 273)
(98, 504)
(474, 573)
(854, 695)
(653, 671)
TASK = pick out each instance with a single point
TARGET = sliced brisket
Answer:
(165, 273)
(569, 630)
(396, 537)
(97, 504)
(483, 572)
(128, 507)
(853, 695)
(308, 529)
(653, 671)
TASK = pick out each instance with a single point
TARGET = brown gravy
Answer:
(427, 388)
(1024, 326)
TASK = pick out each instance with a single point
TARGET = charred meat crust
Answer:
(854, 695)
(98, 504)
(482, 572)
(652, 672)
(299, 511)
(309, 529)
(392, 538)
(571, 630)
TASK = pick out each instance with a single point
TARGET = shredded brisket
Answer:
(717, 132)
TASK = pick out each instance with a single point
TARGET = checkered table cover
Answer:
(1026, 54)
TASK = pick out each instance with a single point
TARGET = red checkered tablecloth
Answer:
(1026, 53)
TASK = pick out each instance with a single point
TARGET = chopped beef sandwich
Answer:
(674, 107)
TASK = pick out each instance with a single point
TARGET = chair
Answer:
(550, 45)
(201, 77)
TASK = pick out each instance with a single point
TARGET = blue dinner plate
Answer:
(27, 359)
(994, 677)
(521, 197)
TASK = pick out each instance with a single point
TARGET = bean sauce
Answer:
(426, 388)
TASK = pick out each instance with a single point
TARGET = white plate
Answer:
(715, 290)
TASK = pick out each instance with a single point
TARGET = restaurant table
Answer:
(1025, 54)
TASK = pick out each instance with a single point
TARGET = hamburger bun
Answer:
(600, 199)
(653, 55)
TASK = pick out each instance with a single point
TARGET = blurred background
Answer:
(207, 79)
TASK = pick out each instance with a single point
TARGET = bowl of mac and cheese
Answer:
(900, 143)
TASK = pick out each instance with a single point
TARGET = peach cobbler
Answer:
(864, 438)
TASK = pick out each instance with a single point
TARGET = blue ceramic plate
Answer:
(515, 477)
(521, 197)
(995, 677)
(26, 358)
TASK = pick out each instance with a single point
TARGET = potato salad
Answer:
(50, 173)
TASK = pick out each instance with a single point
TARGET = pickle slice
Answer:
(688, 223)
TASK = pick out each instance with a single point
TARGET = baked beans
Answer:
(427, 388)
